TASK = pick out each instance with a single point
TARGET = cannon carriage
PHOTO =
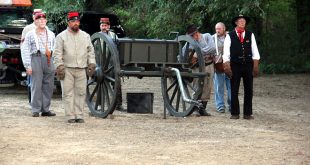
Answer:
(181, 81)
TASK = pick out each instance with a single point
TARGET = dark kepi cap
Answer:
(191, 29)
(39, 15)
(247, 19)
(105, 20)
(73, 15)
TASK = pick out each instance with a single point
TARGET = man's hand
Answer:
(60, 72)
(29, 71)
(255, 68)
(227, 69)
(91, 69)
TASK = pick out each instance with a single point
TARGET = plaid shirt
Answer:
(35, 44)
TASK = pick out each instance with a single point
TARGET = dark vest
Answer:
(240, 52)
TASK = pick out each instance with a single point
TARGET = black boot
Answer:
(202, 110)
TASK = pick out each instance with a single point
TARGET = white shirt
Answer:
(227, 43)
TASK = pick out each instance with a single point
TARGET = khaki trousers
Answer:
(74, 92)
(206, 91)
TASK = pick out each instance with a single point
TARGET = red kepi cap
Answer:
(39, 15)
(73, 15)
(105, 20)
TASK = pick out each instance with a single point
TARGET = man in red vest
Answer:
(241, 58)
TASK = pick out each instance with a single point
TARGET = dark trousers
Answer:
(244, 71)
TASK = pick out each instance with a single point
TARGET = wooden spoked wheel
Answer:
(101, 89)
(171, 92)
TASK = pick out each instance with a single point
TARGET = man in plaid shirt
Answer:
(37, 49)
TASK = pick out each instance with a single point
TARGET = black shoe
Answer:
(80, 121)
(234, 117)
(248, 117)
(35, 114)
(203, 112)
(71, 121)
(48, 114)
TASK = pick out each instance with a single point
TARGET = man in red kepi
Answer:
(105, 28)
(241, 58)
(74, 53)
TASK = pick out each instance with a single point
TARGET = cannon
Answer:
(181, 85)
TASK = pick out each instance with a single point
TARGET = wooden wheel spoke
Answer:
(108, 92)
(108, 78)
(98, 97)
(90, 82)
(177, 104)
(103, 95)
(175, 90)
(108, 62)
(109, 69)
(171, 85)
(93, 93)
(98, 51)
(104, 61)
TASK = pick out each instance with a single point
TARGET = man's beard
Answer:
(75, 28)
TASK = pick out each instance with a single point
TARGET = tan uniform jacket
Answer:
(73, 50)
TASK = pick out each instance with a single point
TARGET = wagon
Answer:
(181, 81)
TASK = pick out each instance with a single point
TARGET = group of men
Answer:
(70, 54)
(229, 56)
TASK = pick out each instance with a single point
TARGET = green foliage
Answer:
(157, 18)
(274, 23)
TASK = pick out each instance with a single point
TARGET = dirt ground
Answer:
(279, 134)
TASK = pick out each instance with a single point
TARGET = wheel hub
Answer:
(99, 74)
